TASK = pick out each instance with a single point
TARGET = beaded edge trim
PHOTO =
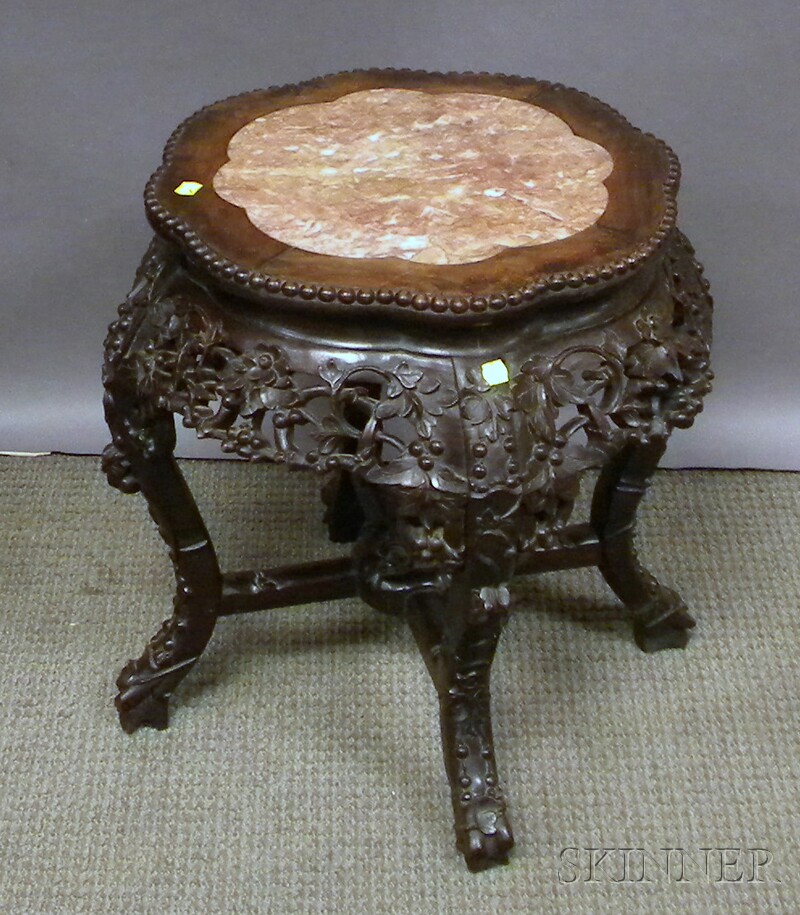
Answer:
(228, 271)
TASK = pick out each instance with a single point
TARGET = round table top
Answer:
(454, 195)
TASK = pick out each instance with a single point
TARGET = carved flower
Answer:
(260, 378)
(157, 363)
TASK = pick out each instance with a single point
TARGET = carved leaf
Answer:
(475, 409)
(540, 478)
(330, 372)
(651, 360)
(543, 418)
(428, 385)
(407, 376)
(403, 471)
(271, 397)
(386, 409)
(424, 428)
(448, 397)
(329, 444)
(503, 406)
(590, 456)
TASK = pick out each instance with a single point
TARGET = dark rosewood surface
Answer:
(221, 242)
(446, 485)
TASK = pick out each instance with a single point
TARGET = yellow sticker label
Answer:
(495, 372)
(188, 188)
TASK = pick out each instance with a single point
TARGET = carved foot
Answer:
(663, 620)
(146, 684)
(660, 616)
(143, 701)
(457, 632)
(672, 631)
(488, 842)
(483, 832)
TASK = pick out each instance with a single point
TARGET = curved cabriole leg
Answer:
(660, 616)
(140, 457)
(457, 633)
(410, 559)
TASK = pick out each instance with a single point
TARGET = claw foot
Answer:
(483, 832)
(143, 698)
(672, 631)
(484, 836)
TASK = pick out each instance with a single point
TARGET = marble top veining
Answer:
(437, 178)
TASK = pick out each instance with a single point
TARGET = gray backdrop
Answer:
(91, 90)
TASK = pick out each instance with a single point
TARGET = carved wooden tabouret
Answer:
(451, 296)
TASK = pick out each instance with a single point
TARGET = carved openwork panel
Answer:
(424, 421)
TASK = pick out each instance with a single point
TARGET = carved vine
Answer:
(389, 420)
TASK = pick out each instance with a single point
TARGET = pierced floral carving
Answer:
(391, 419)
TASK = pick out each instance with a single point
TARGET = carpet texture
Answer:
(302, 770)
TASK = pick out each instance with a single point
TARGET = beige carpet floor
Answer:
(302, 772)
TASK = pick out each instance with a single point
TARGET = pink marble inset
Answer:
(439, 178)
